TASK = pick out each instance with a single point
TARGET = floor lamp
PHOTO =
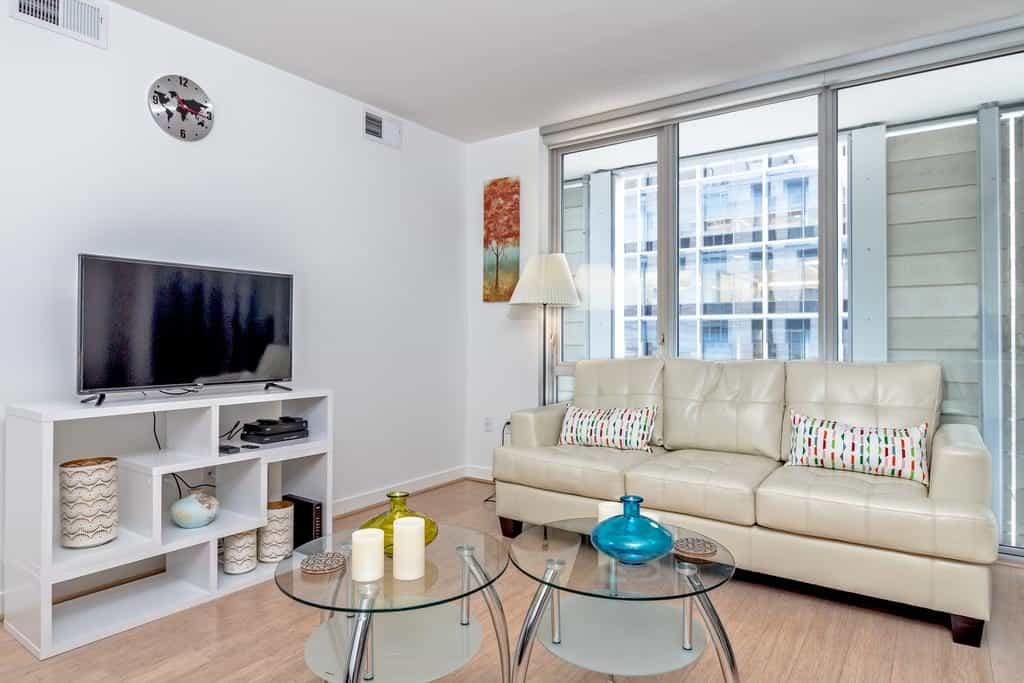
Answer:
(546, 281)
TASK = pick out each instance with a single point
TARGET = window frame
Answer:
(661, 117)
(667, 163)
(824, 80)
(665, 135)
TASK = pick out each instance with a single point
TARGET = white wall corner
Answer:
(378, 496)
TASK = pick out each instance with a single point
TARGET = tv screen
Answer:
(145, 325)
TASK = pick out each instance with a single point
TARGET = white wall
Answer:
(285, 182)
(503, 341)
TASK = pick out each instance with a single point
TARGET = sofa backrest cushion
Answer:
(621, 383)
(865, 394)
(733, 406)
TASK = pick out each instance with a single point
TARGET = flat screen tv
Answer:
(145, 325)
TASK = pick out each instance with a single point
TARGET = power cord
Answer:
(178, 479)
(504, 429)
(233, 432)
(156, 437)
(183, 391)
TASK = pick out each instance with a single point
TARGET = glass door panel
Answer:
(609, 234)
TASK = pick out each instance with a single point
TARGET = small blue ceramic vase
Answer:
(194, 510)
(629, 537)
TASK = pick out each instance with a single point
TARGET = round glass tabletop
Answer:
(459, 562)
(561, 555)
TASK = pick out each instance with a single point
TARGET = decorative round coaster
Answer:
(323, 563)
(693, 547)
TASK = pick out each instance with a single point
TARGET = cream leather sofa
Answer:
(720, 441)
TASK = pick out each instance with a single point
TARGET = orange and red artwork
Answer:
(501, 238)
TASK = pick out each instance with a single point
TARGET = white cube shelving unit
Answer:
(60, 598)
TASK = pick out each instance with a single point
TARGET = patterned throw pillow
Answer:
(628, 429)
(885, 451)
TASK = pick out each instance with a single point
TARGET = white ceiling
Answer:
(476, 68)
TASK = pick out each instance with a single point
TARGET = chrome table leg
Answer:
(368, 654)
(726, 657)
(494, 606)
(464, 603)
(556, 617)
(524, 647)
(361, 631)
(688, 624)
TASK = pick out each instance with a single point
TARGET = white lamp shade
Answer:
(546, 280)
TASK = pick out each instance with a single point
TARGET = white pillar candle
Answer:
(410, 548)
(608, 508)
(367, 555)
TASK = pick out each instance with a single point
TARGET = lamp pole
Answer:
(544, 355)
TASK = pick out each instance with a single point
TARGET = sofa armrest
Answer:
(961, 466)
(538, 426)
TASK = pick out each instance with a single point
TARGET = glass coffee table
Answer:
(615, 618)
(401, 630)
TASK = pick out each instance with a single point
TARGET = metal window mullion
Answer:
(586, 259)
(989, 281)
(828, 224)
(764, 256)
(1012, 130)
(550, 355)
(698, 237)
(668, 241)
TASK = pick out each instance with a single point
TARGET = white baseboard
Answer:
(376, 496)
(479, 472)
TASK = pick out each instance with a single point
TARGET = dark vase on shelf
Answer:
(629, 537)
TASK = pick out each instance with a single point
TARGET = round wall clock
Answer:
(181, 108)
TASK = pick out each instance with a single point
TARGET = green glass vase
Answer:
(386, 520)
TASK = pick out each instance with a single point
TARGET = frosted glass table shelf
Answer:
(619, 619)
(425, 624)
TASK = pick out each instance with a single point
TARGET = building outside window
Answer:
(751, 217)
(748, 255)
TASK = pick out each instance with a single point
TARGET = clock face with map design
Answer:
(181, 108)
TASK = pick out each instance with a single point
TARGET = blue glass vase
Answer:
(629, 537)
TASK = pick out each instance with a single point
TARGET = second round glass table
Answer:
(422, 628)
(616, 618)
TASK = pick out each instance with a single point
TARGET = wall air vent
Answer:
(84, 20)
(381, 129)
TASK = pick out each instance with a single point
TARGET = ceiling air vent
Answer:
(381, 129)
(79, 19)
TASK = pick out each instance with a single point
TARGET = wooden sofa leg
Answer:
(966, 630)
(510, 528)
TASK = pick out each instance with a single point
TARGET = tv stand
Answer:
(274, 385)
(58, 598)
(98, 398)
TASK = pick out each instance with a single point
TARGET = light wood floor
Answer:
(778, 634)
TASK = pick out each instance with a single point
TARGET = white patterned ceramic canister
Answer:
(275, 539)
(88, 502)
(240, 552)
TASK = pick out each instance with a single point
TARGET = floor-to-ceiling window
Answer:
(933, 220)
(609, 234)
(722, 236)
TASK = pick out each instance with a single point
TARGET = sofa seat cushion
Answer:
(710, 484)
(881, 512)
(581, 470)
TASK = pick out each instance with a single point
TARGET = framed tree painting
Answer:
(501, 238)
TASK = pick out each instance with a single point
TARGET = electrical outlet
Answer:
(488, 424)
